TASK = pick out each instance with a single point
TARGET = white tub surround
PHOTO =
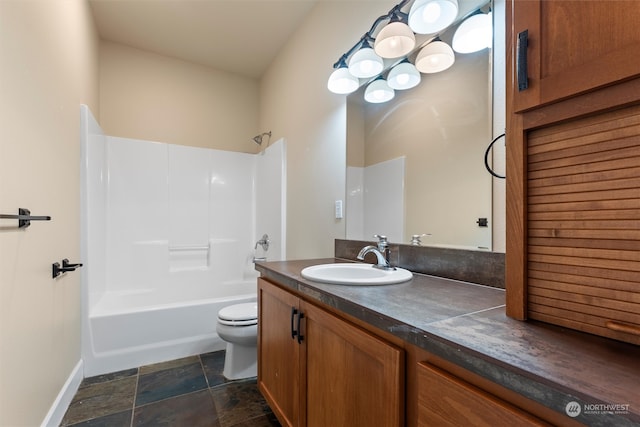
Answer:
(378, 191)
(168, 236)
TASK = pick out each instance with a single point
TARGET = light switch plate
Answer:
(338, 206)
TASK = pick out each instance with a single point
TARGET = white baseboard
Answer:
(64, 398)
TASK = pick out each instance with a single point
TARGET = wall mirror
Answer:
(415, 164)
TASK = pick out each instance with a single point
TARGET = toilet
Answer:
(238, 326)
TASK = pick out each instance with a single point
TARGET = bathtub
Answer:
(131, 329)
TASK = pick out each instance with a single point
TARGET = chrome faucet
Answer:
(382, 253)
(264, 242)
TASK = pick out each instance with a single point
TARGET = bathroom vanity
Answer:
(430, 351)
(319, 369)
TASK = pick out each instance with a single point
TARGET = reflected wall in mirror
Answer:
(415, 163)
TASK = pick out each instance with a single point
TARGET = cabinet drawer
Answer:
(445, 400)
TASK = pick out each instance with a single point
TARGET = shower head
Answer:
(258, 138)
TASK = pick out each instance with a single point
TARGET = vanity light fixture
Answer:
(396, 39)
(474, 34)
(341, 81)
(431, 16)
(378, 91)
(403, 76)
(435, 57)
(365, 62)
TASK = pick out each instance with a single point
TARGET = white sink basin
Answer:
(355, 274)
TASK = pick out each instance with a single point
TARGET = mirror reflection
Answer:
(415, 163)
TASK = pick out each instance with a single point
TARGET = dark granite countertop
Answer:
(466, 324)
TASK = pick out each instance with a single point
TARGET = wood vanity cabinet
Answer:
(448, 401)
(573, 165)
(316, 369)
(279, 377)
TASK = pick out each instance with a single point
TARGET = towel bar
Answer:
(24, 217)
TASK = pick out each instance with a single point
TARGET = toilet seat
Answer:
(239, 314)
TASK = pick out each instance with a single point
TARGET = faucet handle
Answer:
(382, 240)
(264, 242)
(415, 239)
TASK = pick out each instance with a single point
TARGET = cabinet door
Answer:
(444, 400)
(352, 377)
(583, 218)
(574, 46)
(278, 353)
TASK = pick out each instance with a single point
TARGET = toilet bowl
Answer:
(238, 326)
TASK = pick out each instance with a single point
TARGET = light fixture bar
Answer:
(369, 34)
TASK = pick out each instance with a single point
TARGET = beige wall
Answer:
(48, 67)
(296, 105)
(153, 97)
(355, 130)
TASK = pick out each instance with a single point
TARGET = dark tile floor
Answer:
(189, 392)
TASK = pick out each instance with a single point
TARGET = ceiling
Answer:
(237, 36)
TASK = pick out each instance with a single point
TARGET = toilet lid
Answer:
(244, 313)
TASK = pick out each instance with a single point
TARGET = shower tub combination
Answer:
(168, 235)
(130, 329)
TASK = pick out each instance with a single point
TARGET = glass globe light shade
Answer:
(403, 76)
(378, 91)
(365, 63)
(341, 81)
(435, 57)
(394, 40)
(474, 34)
(431, 16)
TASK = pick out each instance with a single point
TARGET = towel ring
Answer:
(486, 157)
